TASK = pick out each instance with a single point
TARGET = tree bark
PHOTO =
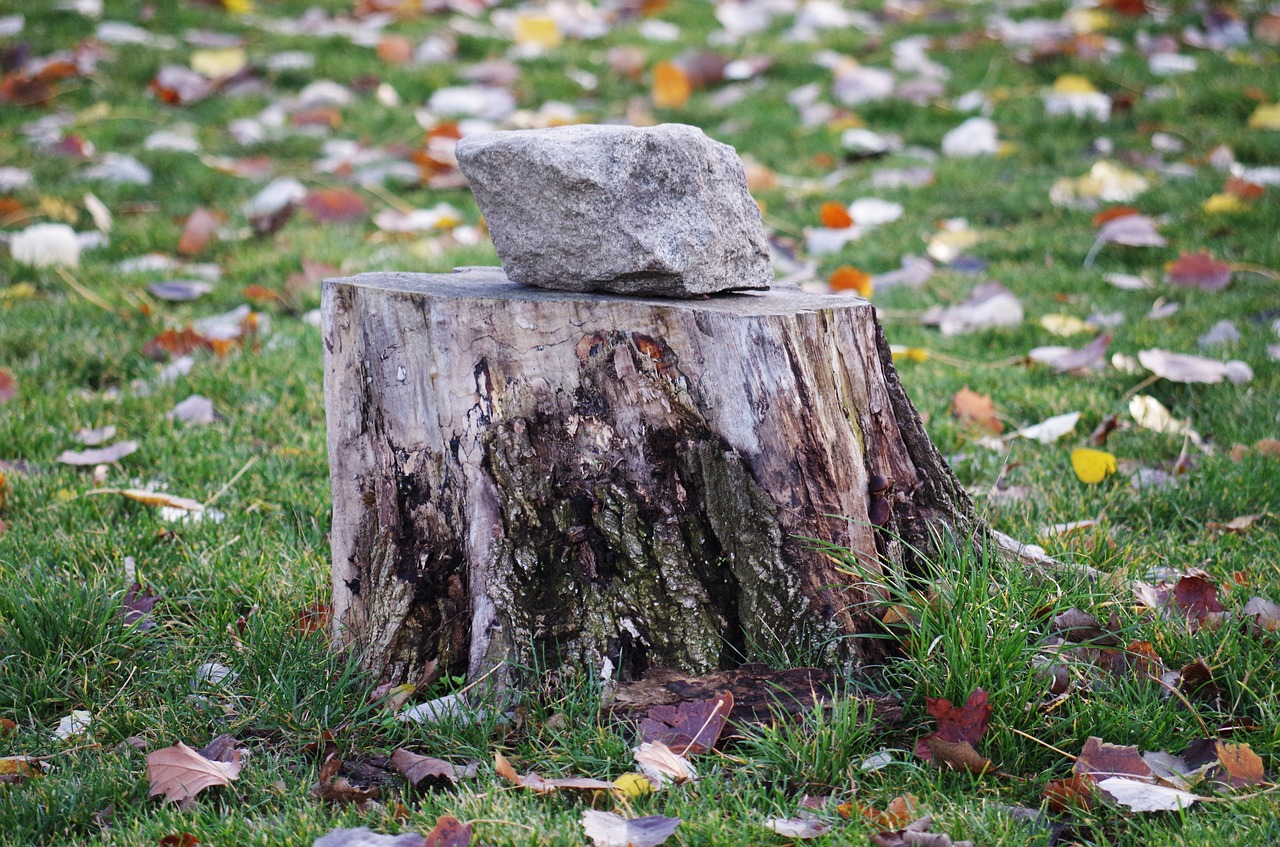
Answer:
(526, 476)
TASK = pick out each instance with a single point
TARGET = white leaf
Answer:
(974, 137)
(195, 410)
(1145, 796)
(797, 827)
(76, 723)
(365, 837)
(663, 766)
(1181, 367)
(1051, 429)
(98, 456)
(1131, 231)
(606, 829)
(42, 245)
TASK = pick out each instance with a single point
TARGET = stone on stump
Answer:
(658, 210)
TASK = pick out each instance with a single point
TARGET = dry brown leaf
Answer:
(1078, 791)
(1236, 526)
(546, 786)
(425, 772)
(335, 205)
(159, 498)
(900, 812)
(198, 231)
(970, 407)
(958, 755)
(690, 727)
(180, 773)
(1241, 767)
(1198, 270)
(1100, 759)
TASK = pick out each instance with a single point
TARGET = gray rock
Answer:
(658, 210)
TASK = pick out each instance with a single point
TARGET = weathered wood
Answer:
(524, 474)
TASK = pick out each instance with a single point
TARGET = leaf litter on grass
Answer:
(238, 104)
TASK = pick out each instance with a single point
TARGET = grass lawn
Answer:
(85, 347)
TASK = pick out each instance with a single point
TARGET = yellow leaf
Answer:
(671, 88)
(1065, 325)
(1086, 20)
(1224, 204)
(55, 208)
(539, 31)
(910, 354)
(18, 291)
(1073, 84)
(632, 785)
(1092, 466)
(218, 63)
(1266, 116)
(238, 7)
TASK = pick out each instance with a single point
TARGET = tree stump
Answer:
(523, 475)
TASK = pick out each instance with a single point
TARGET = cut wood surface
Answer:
(523, 475)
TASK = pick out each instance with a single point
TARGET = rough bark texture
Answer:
(523, 474)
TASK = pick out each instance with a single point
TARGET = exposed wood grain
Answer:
(525, 475)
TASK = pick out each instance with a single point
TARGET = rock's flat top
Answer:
(659, 210)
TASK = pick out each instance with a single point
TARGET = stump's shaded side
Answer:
(521, 473)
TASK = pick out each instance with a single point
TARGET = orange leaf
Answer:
(970, 407)
(328, 205)
(1241, 766)
(395, 49)
(849, 278)
(1243, 189)
(671, 88)
(8, 386)
(835, 215)
(1111, 213)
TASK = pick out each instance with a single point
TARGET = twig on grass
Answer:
(231, 482)
(82, 291)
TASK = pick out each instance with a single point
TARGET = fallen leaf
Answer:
(1198, 270)
(1182, 367)
(663, 766)
(136, 606)
(1092, 466)
(1150, 414)
(606, 829)
(835, 215)
(8, 386)
(1266, 116)
(1145, 796)
(971, 407)
(73, 725)
(1265, 614)
(99, 455)
(691, 727)
(1240, 766)
(1074, 793)
(633, 785)
(1099, 759)
(916, 834)
(18, 769)
(1197, 597)
(159, 498)
(425, 772)
(1236, 526)
(900, 812)
(1050, 429)
(332, 787)
(335, 205)
(988, 305)
(849, 278)
(180, 773)
(798, 827)
(546, 786)
(198, 231)
(1129, 231)
(671, 87)
(957, 755)
(195, 410)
